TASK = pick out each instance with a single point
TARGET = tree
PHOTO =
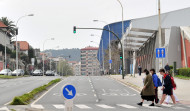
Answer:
(30, 54)
(10, 24)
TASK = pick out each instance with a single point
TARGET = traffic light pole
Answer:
(123, 75)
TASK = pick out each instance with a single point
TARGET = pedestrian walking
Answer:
(167, 67)
(157, 83)
(174, 88)
(167, 87)
(140, 69)
(147, 92)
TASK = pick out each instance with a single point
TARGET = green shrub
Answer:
(171, 67)
(184, 72)
(25, 98)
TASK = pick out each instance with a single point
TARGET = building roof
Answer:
(23, 45)
(90, 48)
(2, 25)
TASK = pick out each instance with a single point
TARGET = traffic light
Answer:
(121, 55)
(74, 29)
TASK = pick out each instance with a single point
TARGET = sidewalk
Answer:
(182, 91)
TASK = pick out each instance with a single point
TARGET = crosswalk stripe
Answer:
(4, 109)
(82, 106)
(127, 106)
(178, 107)
(37, 106)
(104, 106)
(167, 105)
(59, 106)
(151, 107)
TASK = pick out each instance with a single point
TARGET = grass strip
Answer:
(8, 77)
(182, 77)
(26, 98)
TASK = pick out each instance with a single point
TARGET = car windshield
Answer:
(48, 71)
(4, 70)
(37, 71)
(18, 70)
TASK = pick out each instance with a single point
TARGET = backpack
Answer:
(159, 82)
(173, 82)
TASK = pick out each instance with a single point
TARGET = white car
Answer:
(49, 73)
(6, 72)
(19, 71)
(37, 72)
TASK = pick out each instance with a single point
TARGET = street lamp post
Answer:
(16, 41)
(122, 35)
(109, 41)
(44, 52)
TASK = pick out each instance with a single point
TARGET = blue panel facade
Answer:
(116, 28)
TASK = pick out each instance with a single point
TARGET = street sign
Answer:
(160, 52)
(69, 92)
(110, 61)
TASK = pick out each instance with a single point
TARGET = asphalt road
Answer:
(97, 93)
(9, 88)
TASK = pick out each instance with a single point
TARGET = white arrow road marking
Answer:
(59, 106)
(104, 106)
(4, 109)
(70, 92)
(82, 106)
(126, 106)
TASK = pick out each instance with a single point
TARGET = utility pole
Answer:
(160, 34)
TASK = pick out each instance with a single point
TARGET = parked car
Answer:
(37, 72)
(6, 72)
(20, 72)
(49, 73)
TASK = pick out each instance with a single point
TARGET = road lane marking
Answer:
(4, 109)
(151, 107)
(37, 106)
(176, 107)
(126, 106)
(59, 106)
(105, 106)
(82, 106)
(46, 92)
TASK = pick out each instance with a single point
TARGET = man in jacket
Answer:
(139, 69)
(167, 67)
(167, 87)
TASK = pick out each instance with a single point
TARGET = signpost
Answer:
(69, 93)
(160, 52)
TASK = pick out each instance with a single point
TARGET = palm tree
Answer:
(10, 24)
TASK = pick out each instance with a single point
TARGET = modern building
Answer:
(89, 62)
(141, 38)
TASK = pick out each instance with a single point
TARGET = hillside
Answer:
(75, 53)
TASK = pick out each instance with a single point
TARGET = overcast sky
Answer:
(56, 18)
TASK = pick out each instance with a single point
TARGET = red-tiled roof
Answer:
(23, 45)
(2, 24)
(90, 48)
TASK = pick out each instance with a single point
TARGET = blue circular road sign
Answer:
(69, 91)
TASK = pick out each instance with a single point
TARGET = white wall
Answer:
(4, 39)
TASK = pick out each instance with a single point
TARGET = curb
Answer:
(128, 84)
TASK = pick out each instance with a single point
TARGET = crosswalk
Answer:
(114, 107)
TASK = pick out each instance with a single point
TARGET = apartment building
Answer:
(89, 61)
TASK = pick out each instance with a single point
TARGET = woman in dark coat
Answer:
(148, 92)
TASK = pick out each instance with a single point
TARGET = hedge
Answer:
(184, 72)
(26, 98)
